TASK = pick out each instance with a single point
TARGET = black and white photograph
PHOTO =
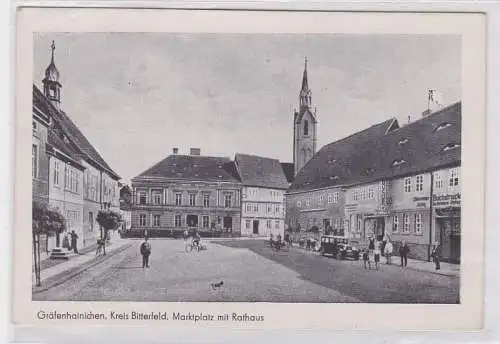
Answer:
(246, 167)
(191, 168)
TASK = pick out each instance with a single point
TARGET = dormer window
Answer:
(334, 177)
(332, 161)
(443, 126)
(397, 163)
(402, 141)
(451, 146)
(369, 171)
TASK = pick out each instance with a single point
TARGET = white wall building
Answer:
(263, 195)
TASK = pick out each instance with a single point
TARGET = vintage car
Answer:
(338, 247)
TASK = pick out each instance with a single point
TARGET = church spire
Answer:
(305, 98)
(51, 84)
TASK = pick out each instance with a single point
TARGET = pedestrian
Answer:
(366, 259)
(376, 253)
(74, 241)
(403, 252)
(388, 252)
(145, 252)
(436, 255)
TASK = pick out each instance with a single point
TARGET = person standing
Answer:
(436, 255)
(376, 253)
(145, 252)
(403, 252)
(74, 241)
(388, 252)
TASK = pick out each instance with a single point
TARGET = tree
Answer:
(44, 220)
(108, 220)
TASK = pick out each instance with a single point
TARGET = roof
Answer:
(193, 167)
(335, 163)
(260, 171)
(72, 131)
(375, 154)
(289, 171)
(54, 140)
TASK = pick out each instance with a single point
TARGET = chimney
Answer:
(195, 151)
(175, 151)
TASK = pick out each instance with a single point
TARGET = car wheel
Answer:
(339, 256)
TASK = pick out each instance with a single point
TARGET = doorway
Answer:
(192, 220)
(255, 226)
(228, 223)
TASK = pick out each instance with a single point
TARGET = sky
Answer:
(137, 95)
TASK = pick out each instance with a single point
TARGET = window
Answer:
(443, 126)
(359, 223)
(91, 221)
(307, 203)
(227, 201)
(330, 198)
(419, 183)
(142, 220)
(56, 172)
(418, 223)
(299, 203)
(371, 193)
(277, 224)
(438, 181)
(407, 184)
(306, 128)
(321, 199)
(206, 200)
(178, 199)
(395, 224)
(277, 210)
(256, 208)
(268, 224)
(247, 224)
(35, 127)
(143, 197)
(205, 220)
(249, 207)
(192, 199)
(77, 182)
(157, 197)
(406, 223)
(177, 220)
(450, 146)
(269, 209)
(34, 160)
(156, 220)
(453, 177)
(355, 194)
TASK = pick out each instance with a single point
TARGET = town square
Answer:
(326, 172)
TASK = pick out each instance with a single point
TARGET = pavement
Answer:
(55, 271)
(251, 272)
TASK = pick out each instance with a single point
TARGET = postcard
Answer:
(249, 169)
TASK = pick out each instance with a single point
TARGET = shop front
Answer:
(447, 215)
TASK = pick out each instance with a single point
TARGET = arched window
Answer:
(306, 127)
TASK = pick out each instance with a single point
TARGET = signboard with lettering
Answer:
(421, 202)
(446, 200)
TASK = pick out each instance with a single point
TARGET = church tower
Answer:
(304, 126)
(51, 84)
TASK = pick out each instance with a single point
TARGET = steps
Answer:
(59, 253)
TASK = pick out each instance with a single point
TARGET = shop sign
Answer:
(351, 207)
(421, 202)
(446, 200)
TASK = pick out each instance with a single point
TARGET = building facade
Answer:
(39, 158)
(263, 195)
(323, 209)
(79, 181)
(397, 182)
(187, 192)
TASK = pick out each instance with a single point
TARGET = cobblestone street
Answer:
(250, 272)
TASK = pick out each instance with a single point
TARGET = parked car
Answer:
(338, 247)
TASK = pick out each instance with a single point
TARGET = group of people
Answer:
(377, 247)
(70, 241)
